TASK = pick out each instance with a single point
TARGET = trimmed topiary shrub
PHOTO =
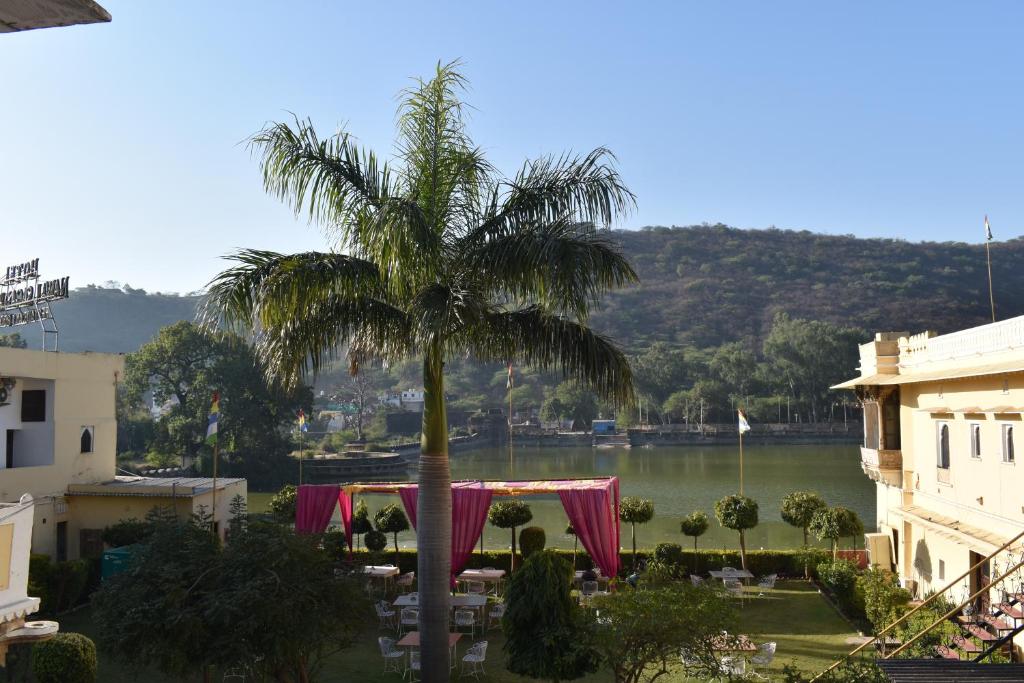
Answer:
(65, 658)
(669, 554)
(375, 541)
(282, 505)
(532, 539)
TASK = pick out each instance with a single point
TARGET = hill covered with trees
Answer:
(705, 285)
(699, 286)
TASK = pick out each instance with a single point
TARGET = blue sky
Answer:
(121, 157)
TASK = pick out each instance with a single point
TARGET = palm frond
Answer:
(561, 265)
(585, 189)
(369, 327)
(266, 288)
(548, 342)
(442, 312)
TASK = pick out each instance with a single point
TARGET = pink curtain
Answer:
(594, 513)
(409, 496)
(469, 513)
(345, 502)
(314, 507)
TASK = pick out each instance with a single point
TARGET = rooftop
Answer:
(22, 15)
(897, 358)
(160, 487)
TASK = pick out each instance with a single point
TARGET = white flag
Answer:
(744, 425)
(988, 230)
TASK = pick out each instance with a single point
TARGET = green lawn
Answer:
(808, 631)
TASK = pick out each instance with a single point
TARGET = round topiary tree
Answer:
(391, 519)
(360, 521)
(282, 505)
(738, 513)
(375, 540)
(799, 508)
(509, 514)
(634, 510)
(696, 525)
(835, 523)
(545, 631)
(532, 539)
(65, 658)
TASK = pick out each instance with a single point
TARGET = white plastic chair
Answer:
(410, 618)
(763, 659)
(233, 676)
(735, 588)
(476, 587)
(413, 668)
(766, 583)
(390, 653)
(496, 614)
(731, 668)
(463, 618)
(587, 591)
(404, 581)
(473, 660)
(696, 580)
(385, 614)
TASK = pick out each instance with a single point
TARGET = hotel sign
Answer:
(25, 297)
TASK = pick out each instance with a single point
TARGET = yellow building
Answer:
(942, 426)
(58, 437)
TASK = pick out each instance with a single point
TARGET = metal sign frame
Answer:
(25, 300)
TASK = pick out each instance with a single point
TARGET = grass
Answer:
(808, 631)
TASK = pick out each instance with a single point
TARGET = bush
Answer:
(59, 586)
(669, 554)
(532, 539)
(375, 541)
(282, 505)
(884, 600)
(839, 577)
(65, 658)
(125, 532)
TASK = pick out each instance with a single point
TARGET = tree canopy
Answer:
(799, 507)
(738, 513)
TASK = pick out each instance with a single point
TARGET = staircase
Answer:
(947, 671)
(982, 634)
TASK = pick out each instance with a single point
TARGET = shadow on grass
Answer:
(794, 608)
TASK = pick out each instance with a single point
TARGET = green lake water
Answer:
(678, 479)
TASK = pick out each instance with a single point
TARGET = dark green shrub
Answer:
(282, 505)
(509, 514)
(335, 545)
(884, 600)
(59, 586)
(391, 519)
(838, 576)
(532, 539)
(65, 658)
(670, 554)
(375, 541)
(633, 511)
(125, 532)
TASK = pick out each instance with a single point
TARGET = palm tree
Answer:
(434, 255)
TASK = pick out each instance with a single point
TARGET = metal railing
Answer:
(926, 602)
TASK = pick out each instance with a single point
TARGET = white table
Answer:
(734, 574)
(380, 571)
(485, 575)
(409, 600)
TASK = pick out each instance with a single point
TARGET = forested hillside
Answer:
(699, 286)
(706, 285)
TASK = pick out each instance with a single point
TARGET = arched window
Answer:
(943, 459)
(86, 440)
(1008, 455)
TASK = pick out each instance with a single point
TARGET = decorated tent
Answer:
(592, 506)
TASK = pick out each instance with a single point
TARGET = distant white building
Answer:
(408, 399)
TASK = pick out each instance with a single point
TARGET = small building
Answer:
(58, 434)
(603, 427)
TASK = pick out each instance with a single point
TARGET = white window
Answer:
(942, 445)
(975, 440)
(1008, 443)
(87, 439)
(942, 570)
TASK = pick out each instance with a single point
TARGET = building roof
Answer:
(935, 375)
(22, 15)
(157, 487)
(951, 528)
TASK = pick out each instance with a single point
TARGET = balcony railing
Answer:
(882, 459)
(1004, 335)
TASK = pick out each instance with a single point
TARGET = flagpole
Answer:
(741, 462)
(511, 462)
(216, 457)
(300, 455)
(991, 297)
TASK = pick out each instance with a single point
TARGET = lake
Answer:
(678, 480)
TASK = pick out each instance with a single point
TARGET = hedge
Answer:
(65, 658)
(760, 562)
(59, 585)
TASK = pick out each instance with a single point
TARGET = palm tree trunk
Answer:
(434, 524)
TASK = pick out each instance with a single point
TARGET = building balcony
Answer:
(885, 466)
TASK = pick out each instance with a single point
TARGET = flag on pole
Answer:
(508, 384)
(988, 230)
(744, 425)
(302, 421)
(211, 426)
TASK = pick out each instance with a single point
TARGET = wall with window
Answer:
(976, 481)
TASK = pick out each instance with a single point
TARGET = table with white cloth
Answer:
(475, 601)
(492, 576)
(733, 574)
(382, 572)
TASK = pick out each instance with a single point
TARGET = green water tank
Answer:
(115, 560)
